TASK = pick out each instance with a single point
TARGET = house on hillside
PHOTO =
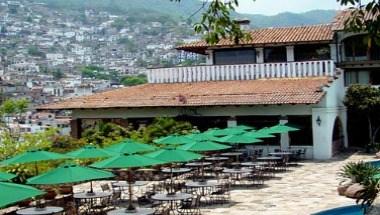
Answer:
(291, 75)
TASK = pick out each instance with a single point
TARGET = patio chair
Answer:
(190, 207)
(221, 195)
(105, 187)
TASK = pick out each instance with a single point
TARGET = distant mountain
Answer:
(291, 19)
(185, 8)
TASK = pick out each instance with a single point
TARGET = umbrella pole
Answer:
(36, 167)
(91, 188)
(130, 205)
(171, 178)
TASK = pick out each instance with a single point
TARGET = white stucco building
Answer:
(294, 75)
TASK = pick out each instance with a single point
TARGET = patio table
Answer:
(250, 164)
(237, 172)
(137, 211)
(92, 198)
(198, 164)
(126, 184)
(40, 211)
(171, 199)
(232, 154)
(269, 158)
(176, 170)
(217, 158)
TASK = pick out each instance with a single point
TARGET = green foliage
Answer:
(104, 134)
(128, 44)
(161, 127)
(363, 173)
(34, 51)
(118, 23)
(134, 80)
(99, 73)
(12, 107)
(58, 74)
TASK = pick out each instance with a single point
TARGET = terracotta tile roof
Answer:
(267, 36)
(342, 16)
(248, 92)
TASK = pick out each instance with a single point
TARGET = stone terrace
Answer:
(306, 189)
(303, 190)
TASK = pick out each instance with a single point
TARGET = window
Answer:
(234, 56)
(356, 77)
(311, 52)
(304, 136)
(275, 54)
(355, 48)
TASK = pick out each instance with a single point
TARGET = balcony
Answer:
(241, 72)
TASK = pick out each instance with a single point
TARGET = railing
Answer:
(241, 72)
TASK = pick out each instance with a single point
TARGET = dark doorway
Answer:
(337, 137)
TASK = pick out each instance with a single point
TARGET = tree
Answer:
(360, 22)
(365, 100)
(134, 80)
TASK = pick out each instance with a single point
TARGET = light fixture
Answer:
(319, 121)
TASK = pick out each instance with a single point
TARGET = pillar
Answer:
(284, 136)
(259, 55)
(333, 53)
(290, 53)
(209, 57)
(76, 128)
(231, 122)
(323, 131)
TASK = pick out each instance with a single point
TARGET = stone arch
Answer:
(337, 136)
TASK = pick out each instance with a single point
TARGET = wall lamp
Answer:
(319, 121)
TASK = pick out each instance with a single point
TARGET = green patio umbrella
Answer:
(173, 155)
(12, 193)
(201, 137)
(33, 156)
(4, 176)
(173, 140)
(238, 139)
(129, 146)
(258, 135)
(203, 146)
(127, 162)
(283, 128)
(88, 152)
(225, 131)
(70, 173)
(244, 127)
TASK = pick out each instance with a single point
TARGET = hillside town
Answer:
(47, 55)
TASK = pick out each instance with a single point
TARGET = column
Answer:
(231, 122)
(323, 124)
(210, 57)
(290, 53)
(76, 128)
(259, 55)
(284, 136)
(333, 52)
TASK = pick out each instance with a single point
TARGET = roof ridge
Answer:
(295, 26)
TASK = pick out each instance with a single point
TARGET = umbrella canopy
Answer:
(127, 161)
(69, 173)
(225, 132)
(201, 137)
(4, 176)
(173, 155)
(239, 139)
(203, 146)
(128, 146)
(33, 156)
(90, 151)
(280, 128)
(12, 193)
(258, 134)
(244, 127)
(173, 140)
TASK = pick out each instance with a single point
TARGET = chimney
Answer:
(244, 23)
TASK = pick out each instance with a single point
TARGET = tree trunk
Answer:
(370, 131)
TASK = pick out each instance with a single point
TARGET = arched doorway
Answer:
(337, 137)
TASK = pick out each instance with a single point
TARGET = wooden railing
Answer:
(241, 72)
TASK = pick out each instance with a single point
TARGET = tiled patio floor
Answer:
(308, 188)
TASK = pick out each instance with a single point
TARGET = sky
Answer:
(272, 7)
